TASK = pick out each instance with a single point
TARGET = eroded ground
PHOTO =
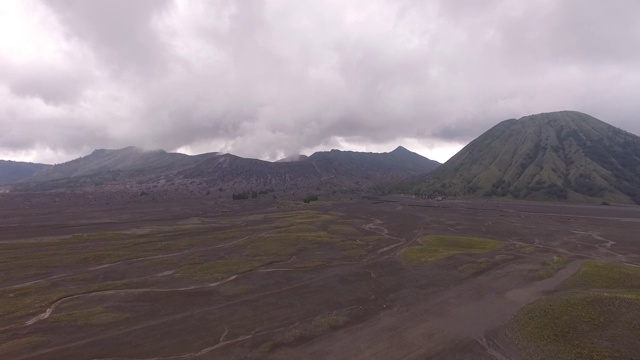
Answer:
(262, 279)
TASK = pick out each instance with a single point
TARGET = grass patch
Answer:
(483, 264)
(287, 244)
(580, 326)
(434, 248)
(216, 270)
(598, 275)
(269, 346)
(355, 254)
(291, 335)
(94, 316)
(310, 264)
(14, 346)
(328, 322)
(525, 249)
(594, 318)
(551, 267)
(37, 297)
(342, 230)
(476, 267)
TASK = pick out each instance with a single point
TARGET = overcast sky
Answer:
(267, 79)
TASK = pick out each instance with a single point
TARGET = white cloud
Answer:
(268, 78)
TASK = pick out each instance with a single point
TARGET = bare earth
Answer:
(265, 279)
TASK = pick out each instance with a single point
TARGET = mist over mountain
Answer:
(14, 171)
(564, 155)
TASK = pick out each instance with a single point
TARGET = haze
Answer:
(267, 79)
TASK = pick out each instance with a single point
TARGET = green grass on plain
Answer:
(35, 298)
(328, 322)
(483, 264)
(341, 229)
(580, 326)
(525, 249)
(25, 343)
(434, 248)
(551, 267)
(594, 318)
(287, 244)
(93, 316)
(476, 267)
(217, 270)
(598, 275)
(310, 264)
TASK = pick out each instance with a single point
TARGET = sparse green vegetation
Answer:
(310, 264)
(217, 270)
(580, 326)
(269, 346)
(328, 322)
(476, 267)
(287, 244)
(310, 198)
(551, 267)
(291, 335)
(483, 264)
(342, 229)
(434, 248)
(37, 297)
(94, 316)
(599, 275)
(525, 249)
(30, 342)
(595, 318)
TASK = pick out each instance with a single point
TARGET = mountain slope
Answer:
(14, 171)
(371, 167)
(127, 161)
(135, 169)
(561, 155)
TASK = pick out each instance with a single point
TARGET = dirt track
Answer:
(380, 308)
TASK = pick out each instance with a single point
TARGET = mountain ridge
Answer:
(136, 168)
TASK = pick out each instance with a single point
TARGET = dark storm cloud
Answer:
(269, 78)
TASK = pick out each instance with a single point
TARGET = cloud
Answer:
(121, 33)
(271, 78)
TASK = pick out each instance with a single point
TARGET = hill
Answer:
(14, 171)
(161, 172)
(129, 161)
(563, 155)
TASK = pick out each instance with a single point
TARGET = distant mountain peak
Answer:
(401, 149)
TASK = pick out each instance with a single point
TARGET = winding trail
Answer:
(166, 319)
(57, 303)
(375, 227)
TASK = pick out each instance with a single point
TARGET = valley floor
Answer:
(269, 279)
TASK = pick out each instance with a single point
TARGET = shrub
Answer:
(310, 198)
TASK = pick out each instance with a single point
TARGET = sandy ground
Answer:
(387, 309)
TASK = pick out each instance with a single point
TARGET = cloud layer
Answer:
(270, 78)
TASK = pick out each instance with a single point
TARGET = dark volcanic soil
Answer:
(135, 280)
